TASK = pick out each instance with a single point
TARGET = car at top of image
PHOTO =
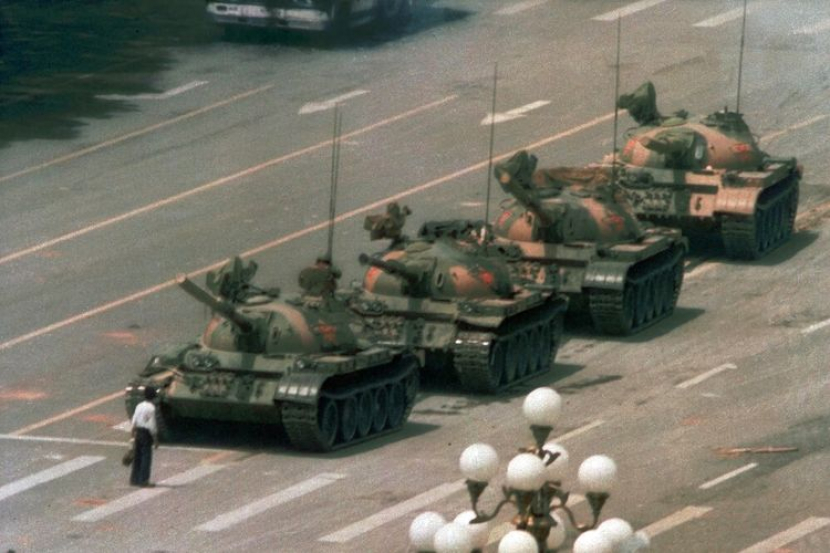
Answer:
(308, 15)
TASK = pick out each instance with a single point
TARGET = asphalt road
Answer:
(210, 155)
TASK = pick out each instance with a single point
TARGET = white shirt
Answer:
(145, 417)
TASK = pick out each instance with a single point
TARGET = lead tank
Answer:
(624, 275)
(707, 173)
(450, 295)
(307, 363)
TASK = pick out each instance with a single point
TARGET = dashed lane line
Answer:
(300, 233)
(581, 430)
(519, 7)
(103, 443)
(220, 182)
(314, 107)
(722, 18)
(800, 125)
(676, 519)
(393, 513)
(154, 96)
(627, 10)
(729, 475)
(68, 414)
(133, 134)
(245, 512)
(708, 374)
(140, 496)
(18, 486)
(788, 536)
(814, 28)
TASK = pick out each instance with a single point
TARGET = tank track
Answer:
(480, 358)
(649, 296)
(302, 422)
(771, 224)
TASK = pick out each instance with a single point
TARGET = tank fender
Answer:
(605, 275)
(300, 387)
(739, 201)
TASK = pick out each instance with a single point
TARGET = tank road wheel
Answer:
(363, 414)
(348, 419)
(380, 408)
(327, 424)
(512, 359)
(526, 352)
(397, 404)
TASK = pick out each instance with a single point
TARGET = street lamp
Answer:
(534, 488)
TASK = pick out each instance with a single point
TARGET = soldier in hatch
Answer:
(320, 279)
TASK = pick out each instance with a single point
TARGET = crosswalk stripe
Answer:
(13, 488)
(676, 519)
(627, 10)
(252, 509)
(395, 512)
(720, 19)
(727, 476)
(140, 496)
(788, 536)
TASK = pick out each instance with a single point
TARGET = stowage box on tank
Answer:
(450, 295)
(707, 174)
(306, 363)
(622, 273)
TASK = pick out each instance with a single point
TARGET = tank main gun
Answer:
(224, 308)
(514, 176)
(394, 268)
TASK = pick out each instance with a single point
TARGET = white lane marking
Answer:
(392, 513)
(284, 496)
(78, 441)
(67, 414)
(580, 430)
(720, 479)
(13, 488)
(720, 19)
(815, 28)
(797, 126)
(701, 269)
(220, 182)
(788, 536)
(502, 529)
(514, 113)
(140, 496)
(314, 107)
(125, 426)
(814, 327)
(136, 133)
(680, 517)
(627, 10)
(520, 7)
(708, 374)
(308, 230)
(157, 96)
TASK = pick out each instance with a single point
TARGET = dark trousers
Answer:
(143, 457)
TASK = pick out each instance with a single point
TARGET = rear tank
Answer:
(707, 173)
(625, 275)
(451, 295)
(307, 363)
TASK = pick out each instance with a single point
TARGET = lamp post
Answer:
(534, 488)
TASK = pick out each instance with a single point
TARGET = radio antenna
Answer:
(335, 169)
(741, 60)
(492, 140)
(616, 108)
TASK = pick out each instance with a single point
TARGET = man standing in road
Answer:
(145, 434)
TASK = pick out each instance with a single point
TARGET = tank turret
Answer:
(307, 363)
(706, 174)
(573, 219)
(452, 296)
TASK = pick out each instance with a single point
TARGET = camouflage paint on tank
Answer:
(707, 173)
(296, 361)
(576, 219)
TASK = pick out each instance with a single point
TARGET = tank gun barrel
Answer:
(224, 308)
(523, 192)
(394, 268)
